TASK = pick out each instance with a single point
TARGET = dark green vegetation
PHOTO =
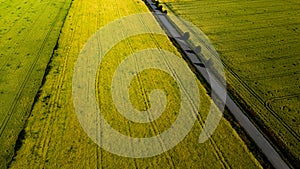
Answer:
(259, 43)
(28, 33)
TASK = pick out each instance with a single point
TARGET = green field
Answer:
(259, 43)
(53, 136)
(28, 33)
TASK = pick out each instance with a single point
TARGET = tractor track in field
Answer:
(275, 9)
(99, 154)
(242, 82)
(22, 86)
(28, 74)
(153, 124)
(269, 59)
(155, 127)
(128, 43)
(273, 76)
(54, 104)
(269, 38)
(253, 93)
(246, 86)
(262, 39)
(269, 101)
(283, 97)
(255, 47)
(117, 10)
(199, 120)
(241, 29)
